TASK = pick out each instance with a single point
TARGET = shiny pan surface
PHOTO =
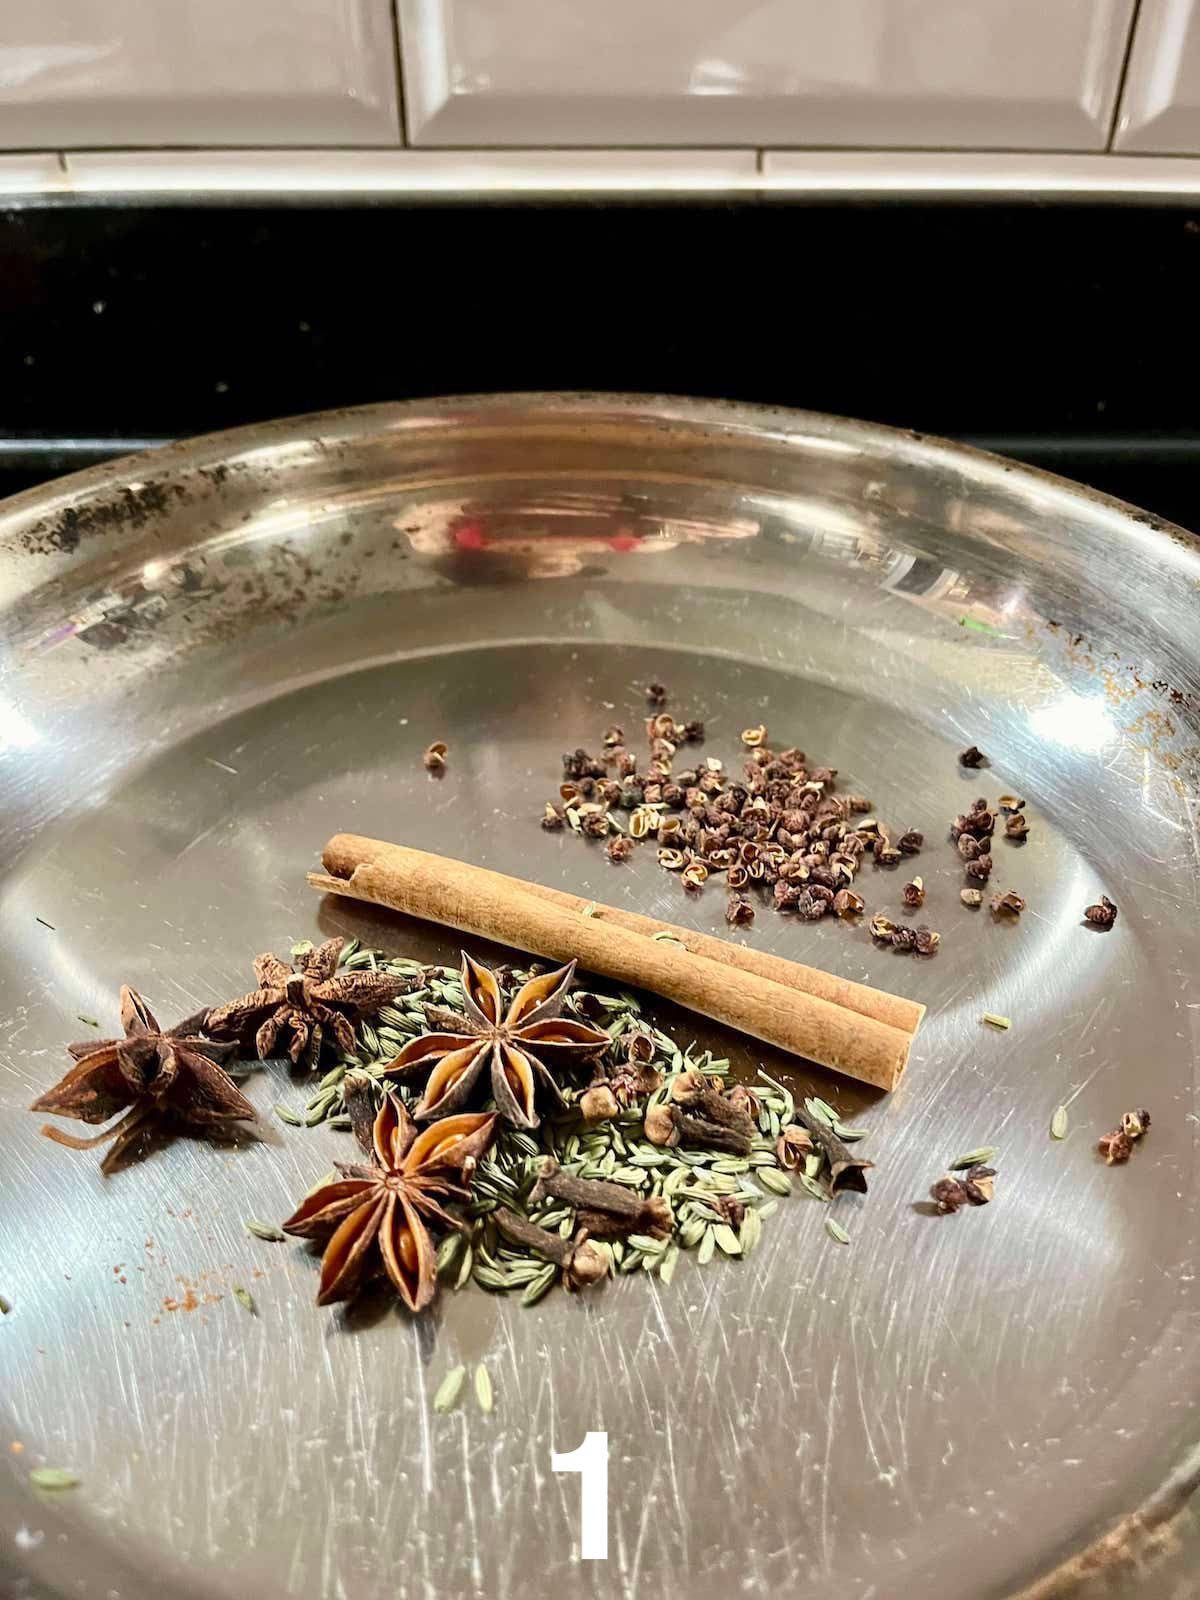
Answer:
(215, 656)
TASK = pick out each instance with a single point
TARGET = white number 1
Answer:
(590, 1461)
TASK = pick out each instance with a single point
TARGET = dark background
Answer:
(1063, 335)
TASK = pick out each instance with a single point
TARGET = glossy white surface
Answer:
(210, 72)
(40, 173)
(413, 171)
(1160, 109)
(783, 174)
(935, 73)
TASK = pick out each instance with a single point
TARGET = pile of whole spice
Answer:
(509, 1132)
(779, 826)
(640, 1151)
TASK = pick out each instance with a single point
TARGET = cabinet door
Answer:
(1015, 74)
(196, 72)
(1160, 109)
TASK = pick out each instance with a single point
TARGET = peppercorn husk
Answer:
(980, 1184)
(949, 1194)
(1135, 1123)
(792, 1145)
(1115, 1146)
(1103, 914)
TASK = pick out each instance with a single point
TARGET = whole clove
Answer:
(671, 1125)
(845, 1170)
(581, 1262)
(693, 1091)
(610, 1209)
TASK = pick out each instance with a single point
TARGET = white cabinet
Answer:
(196, 72)
(1160, 109)
(1015, 74)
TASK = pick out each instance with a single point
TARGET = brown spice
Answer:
(780, 824)
(980, 1184)
(694, 1091)
(513, 1046)
(308, 1005)
(581, 1263)
(980, 869)
(846, 1171)
(387, 1203)
(792, 1145)
(154, 1075)
(434, 759)
(1135, 1123)
(1116, 1146)
(971, 897)
(611, 1208)
(669, 1125)
(1101, 915)
(1008, 904)
(619, 848)
(914, 893)
(656, 694)
(949, 1194)
(972, 756)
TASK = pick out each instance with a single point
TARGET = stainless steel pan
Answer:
(214, 656)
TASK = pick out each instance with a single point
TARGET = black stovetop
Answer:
(1063, 335)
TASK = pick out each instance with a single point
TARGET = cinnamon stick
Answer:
(491, 906)
(346, 851)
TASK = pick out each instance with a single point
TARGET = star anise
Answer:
(166, 1076)
(305, 1006)
(512, 1044)
(385, 1202)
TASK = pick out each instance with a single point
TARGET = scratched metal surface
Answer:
(214, 657)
